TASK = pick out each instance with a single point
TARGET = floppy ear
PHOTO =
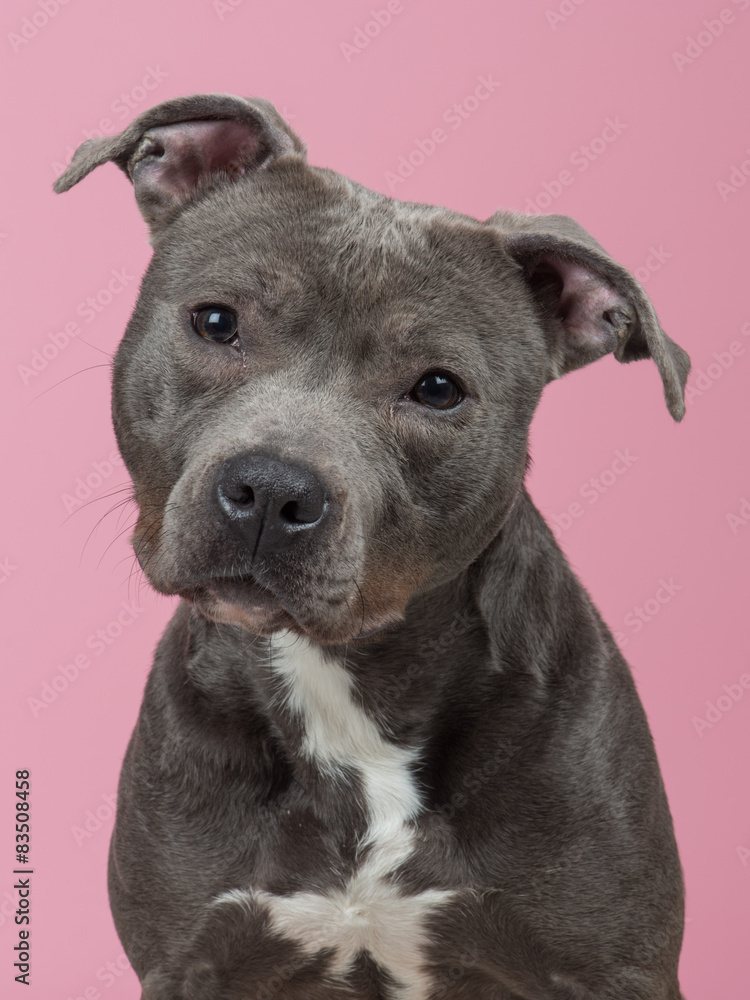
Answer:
(589, 304)
(178, 148)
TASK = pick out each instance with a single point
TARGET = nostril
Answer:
(240, 494)
(305, 511)
(290, 512)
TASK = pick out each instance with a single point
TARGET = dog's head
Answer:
(323, 395)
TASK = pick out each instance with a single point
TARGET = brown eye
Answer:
(437, 391)
(215, 323)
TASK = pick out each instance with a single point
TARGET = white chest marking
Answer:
(338, 732)
(369, 914)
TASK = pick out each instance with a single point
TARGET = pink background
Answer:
(679, 512)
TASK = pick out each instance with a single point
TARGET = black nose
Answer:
(270, 503)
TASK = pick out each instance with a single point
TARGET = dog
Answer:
(388, 747)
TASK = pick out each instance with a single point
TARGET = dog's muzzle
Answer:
(252, 541)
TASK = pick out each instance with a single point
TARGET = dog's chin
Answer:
(243, 601)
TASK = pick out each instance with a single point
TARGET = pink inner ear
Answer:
(584, 300)
(176, 158)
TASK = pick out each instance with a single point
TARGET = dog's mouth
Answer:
(239, 600)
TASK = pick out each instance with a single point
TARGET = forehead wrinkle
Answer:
(250, 288)
(411, 252)
(434, 348)
(367, 245)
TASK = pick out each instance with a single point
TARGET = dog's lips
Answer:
(241, 600)
(244, 590)
(237, 599)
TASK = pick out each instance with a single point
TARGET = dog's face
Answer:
(323, 396)
(362, 351)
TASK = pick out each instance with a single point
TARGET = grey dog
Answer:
(388, 747)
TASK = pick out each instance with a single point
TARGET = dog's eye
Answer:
(437, 390)
(215, 323)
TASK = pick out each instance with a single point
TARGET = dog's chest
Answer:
(369, 914)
